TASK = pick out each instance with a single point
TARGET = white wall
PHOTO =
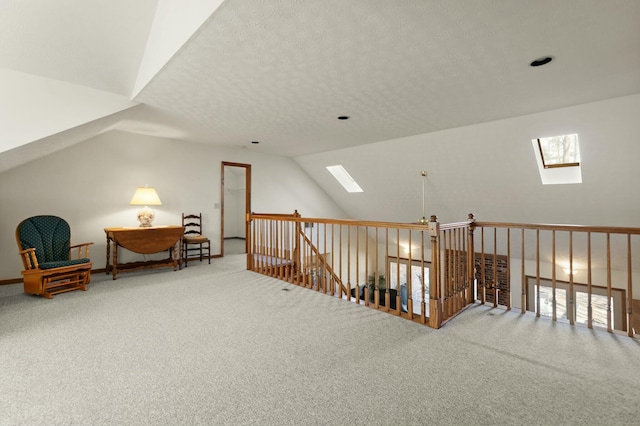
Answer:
(490, 170)
(90, 185)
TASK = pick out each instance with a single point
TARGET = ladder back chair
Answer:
(50, 266)
(194, 244)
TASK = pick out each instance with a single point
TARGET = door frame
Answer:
(247, 202)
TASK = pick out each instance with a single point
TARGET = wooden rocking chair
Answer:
(44, 246)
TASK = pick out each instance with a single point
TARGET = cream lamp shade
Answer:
(145, 196)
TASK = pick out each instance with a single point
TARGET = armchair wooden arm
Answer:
(81, 253)
(29, 259)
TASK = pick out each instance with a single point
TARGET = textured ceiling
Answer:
(282, 71)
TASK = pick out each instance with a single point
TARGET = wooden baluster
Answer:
(388, 305)
(292, 251)
(537, 272)
(316, 271)
(286, 249)
(274, 248)
(523, 278)
(365, 293)
(278, 248)
(294, 256)
(508, 269)
(453, 249)
(349, 263)
(387, 294)
(368, 295)
(435, 306)
(553, 276)
(444, 273)
(257, 244)
(370, 291)
(284, 224)
(461, 268)
(457, 276)
(589, 289)
(449, 279)
(483, 268)
(423, 305)
(309, 260)
(340, 257)
(295, 241)
(332, 281)
(325, 284)
(376, 277)
(630, 323)
(409, 279)
(463, 287)
(265, 247)
(609, 327)
(495, 267)
(471, 258)
(452, 272)
(572, 304)
(279, 245)
(357, 265)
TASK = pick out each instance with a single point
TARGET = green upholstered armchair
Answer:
(44, 243)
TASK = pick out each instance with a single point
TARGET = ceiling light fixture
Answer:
(541, 61)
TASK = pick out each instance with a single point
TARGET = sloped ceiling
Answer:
(280, 72)
(93, 43)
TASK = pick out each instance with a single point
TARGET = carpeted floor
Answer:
(215, 344)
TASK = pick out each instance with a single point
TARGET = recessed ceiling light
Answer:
(255, 142)
(541, 61)
(343, 117)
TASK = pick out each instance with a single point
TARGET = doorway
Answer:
(235, 205)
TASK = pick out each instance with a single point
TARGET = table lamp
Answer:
(145, 196)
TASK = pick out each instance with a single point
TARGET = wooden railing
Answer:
(578, 274)
(386, 266)
(430, 272)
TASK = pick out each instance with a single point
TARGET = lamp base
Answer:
(145, 217)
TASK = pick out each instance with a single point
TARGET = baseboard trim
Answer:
(10, 281)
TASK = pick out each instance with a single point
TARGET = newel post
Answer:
(249, 240)
(435, 302)
(297, 257)
(471, 260)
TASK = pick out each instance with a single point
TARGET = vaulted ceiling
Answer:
(280, 72)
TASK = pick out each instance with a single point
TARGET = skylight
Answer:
(559, 151)
(558, 159)
(344, 178)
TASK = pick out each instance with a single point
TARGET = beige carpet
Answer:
(214, 344)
